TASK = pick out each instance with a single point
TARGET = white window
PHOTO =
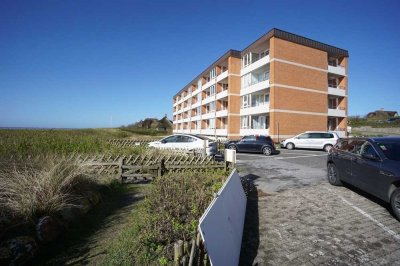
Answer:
(258, 122)
(212, 123)
(213, 73)
(212, 106)
(246, 80)
(212, 90)
(245, 101)
(199, 83)
(246, 60)
(245, 122)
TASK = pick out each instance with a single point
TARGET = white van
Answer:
(311, 140)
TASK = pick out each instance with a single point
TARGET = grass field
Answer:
(88, 141)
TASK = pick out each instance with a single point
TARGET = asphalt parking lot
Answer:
(297, 218)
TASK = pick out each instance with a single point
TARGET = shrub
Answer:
(36, 189)
(170, 212)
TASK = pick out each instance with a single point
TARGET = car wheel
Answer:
(267, 151)
(395, 202)
(333, 175)
(290, 146)
(327, 147)
(232, 147)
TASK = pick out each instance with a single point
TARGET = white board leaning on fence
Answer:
(230, 156)
(221, 225)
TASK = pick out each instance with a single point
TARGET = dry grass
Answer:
(36, 189)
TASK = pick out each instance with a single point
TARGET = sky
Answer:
(84, 63)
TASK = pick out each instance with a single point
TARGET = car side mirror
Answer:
(370, 157)
(163, 141)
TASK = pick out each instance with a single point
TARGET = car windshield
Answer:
(390, 149)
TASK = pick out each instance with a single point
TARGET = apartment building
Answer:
(280, 85)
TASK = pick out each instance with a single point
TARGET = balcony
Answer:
(196, 117)
(221, 132)
(187, 108)
(336, 112)
(208, 131)
(195, 105)
(221, 113)
(222, 94)
(338, 70)
(222, 76)
(244, 132)
(260, 109)
(195, 131)
(338, 91)
(255, 87)
(195, 92)
(208, 99)
(208, 116)
(208, 84)
(257, 64)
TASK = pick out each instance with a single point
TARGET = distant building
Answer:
(382, 114)
(164, 124)
(280, 85)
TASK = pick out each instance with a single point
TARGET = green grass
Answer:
(145, 131)
(170, 212)
(87, 141)
(355, 121)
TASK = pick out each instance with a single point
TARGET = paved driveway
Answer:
(297, 218)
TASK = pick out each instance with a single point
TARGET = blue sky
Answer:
(83, 63)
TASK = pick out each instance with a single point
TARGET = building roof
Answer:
(287, 36)
(284, 35)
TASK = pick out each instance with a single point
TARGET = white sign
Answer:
(221, 225)
(230, 156)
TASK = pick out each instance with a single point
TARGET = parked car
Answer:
(393, 119)
(311, 140)
(186, 141)
(251, 143)
(371, 164)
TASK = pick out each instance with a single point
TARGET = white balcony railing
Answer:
(222, 76)
(257, 64)
(336, 112)
(208, 116)
(244, 132)
(254, 88)
(208, 99)
(338, 91)
(221, 113)
(222, 94)
(221, 132)
(338, 70)
(260, 109)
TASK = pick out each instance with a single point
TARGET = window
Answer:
(224, 86)
(246, 60)
(213, 73)
(212, 123)
(212, 106)
(332, 103)
(258, 122)
(265, 53)
(170, 139)
(223, 123)
(224, 105)
(367, 149)
(246, 80)
(248, 138)
(245, 101)
(332, 61)
(304, 136)
(245, 121)
(390, 149)
(333, 83)
(180, 138)
(212, 90)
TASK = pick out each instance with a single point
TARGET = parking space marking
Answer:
(302, 156)
(381, 225)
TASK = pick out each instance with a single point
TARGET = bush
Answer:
(170, 212)
(43, 188)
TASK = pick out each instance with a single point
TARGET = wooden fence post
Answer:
(120, 163)
(178, 252)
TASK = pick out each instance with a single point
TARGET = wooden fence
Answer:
(132, 167)
(122, 143)
(191, 253)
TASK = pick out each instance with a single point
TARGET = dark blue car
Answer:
(251, 143)
(371, 164)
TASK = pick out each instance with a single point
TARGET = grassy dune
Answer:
(33, 142)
